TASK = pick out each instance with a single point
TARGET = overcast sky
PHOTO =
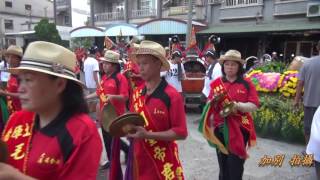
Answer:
(79, 8)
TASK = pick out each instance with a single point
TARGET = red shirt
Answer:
(13, 103)
(238, 93)
(109, 85)
(67, 148)
(166, 110)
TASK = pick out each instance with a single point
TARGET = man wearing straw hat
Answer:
(113, 89)
(14, 54)
(155, 151)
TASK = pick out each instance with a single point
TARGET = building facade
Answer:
(22, 16)
(140, 11)
(255, 27)
(63, 12)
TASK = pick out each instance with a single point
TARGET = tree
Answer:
(46, 31)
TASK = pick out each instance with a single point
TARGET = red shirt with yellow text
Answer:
(116, 84)
(238, 93)
(166, 110)
(67, 148)
(13, 103)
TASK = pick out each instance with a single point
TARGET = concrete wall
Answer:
(268, 12)
(37, 6)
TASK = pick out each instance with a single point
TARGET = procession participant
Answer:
(52, 136)
(14, 54)
(155, 151)
(314, 142)
(213, 72)
(226, 120)
(176, 73)
(308, 81)
(113, 89)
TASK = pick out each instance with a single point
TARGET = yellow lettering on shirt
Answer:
(18, 154)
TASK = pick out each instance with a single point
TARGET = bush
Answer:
(276, 118)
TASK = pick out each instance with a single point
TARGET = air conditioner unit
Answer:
(313, 10)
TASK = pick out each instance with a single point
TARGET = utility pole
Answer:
(55, 11)
(189, 25)
(159, 9)
(92, 12)
(1, 33)
(126, 11)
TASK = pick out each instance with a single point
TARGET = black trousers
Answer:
(231, 166)
(107, 138)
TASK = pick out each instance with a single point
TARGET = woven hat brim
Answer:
(13, 52)
(228, 58)
(110, 61)
(18, 70)
(165, 64)
(117, 125)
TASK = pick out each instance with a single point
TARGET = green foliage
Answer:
(273, 66)
(82, 42)
(276, 118)
(46, 31)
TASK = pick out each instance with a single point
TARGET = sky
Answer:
(79, 7)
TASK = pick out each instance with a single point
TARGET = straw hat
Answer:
(48, 58)
(111, 56)
(231, 55)
(156, 50)
(15, 50)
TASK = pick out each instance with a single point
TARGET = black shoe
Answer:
(105, 166)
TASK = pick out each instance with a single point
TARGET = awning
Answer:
(270, 27)
(62, 30)
(122, 29)
(86, 31)
(167, 26)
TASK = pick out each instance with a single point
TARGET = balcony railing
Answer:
(109, 16)
(214, 1)
(241, 3)
(178, 10)
(143, 13)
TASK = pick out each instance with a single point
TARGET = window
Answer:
(240, 2)
(8, 4)
(145, 4)
(27, 7)
(8, 24)
(67, 20)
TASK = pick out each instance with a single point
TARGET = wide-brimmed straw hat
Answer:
(48, 58)
(15, 50)
(111, 56)
(231, 55)
(156, 50)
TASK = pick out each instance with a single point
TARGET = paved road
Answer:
(200, 163)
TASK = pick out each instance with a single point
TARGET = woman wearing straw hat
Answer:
(113, 89)
(155, 151)
(52, 136)
(226, 120)
(14, 54)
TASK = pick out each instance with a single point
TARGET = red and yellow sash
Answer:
(233, 121)
(18, 134)
(164, 155)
